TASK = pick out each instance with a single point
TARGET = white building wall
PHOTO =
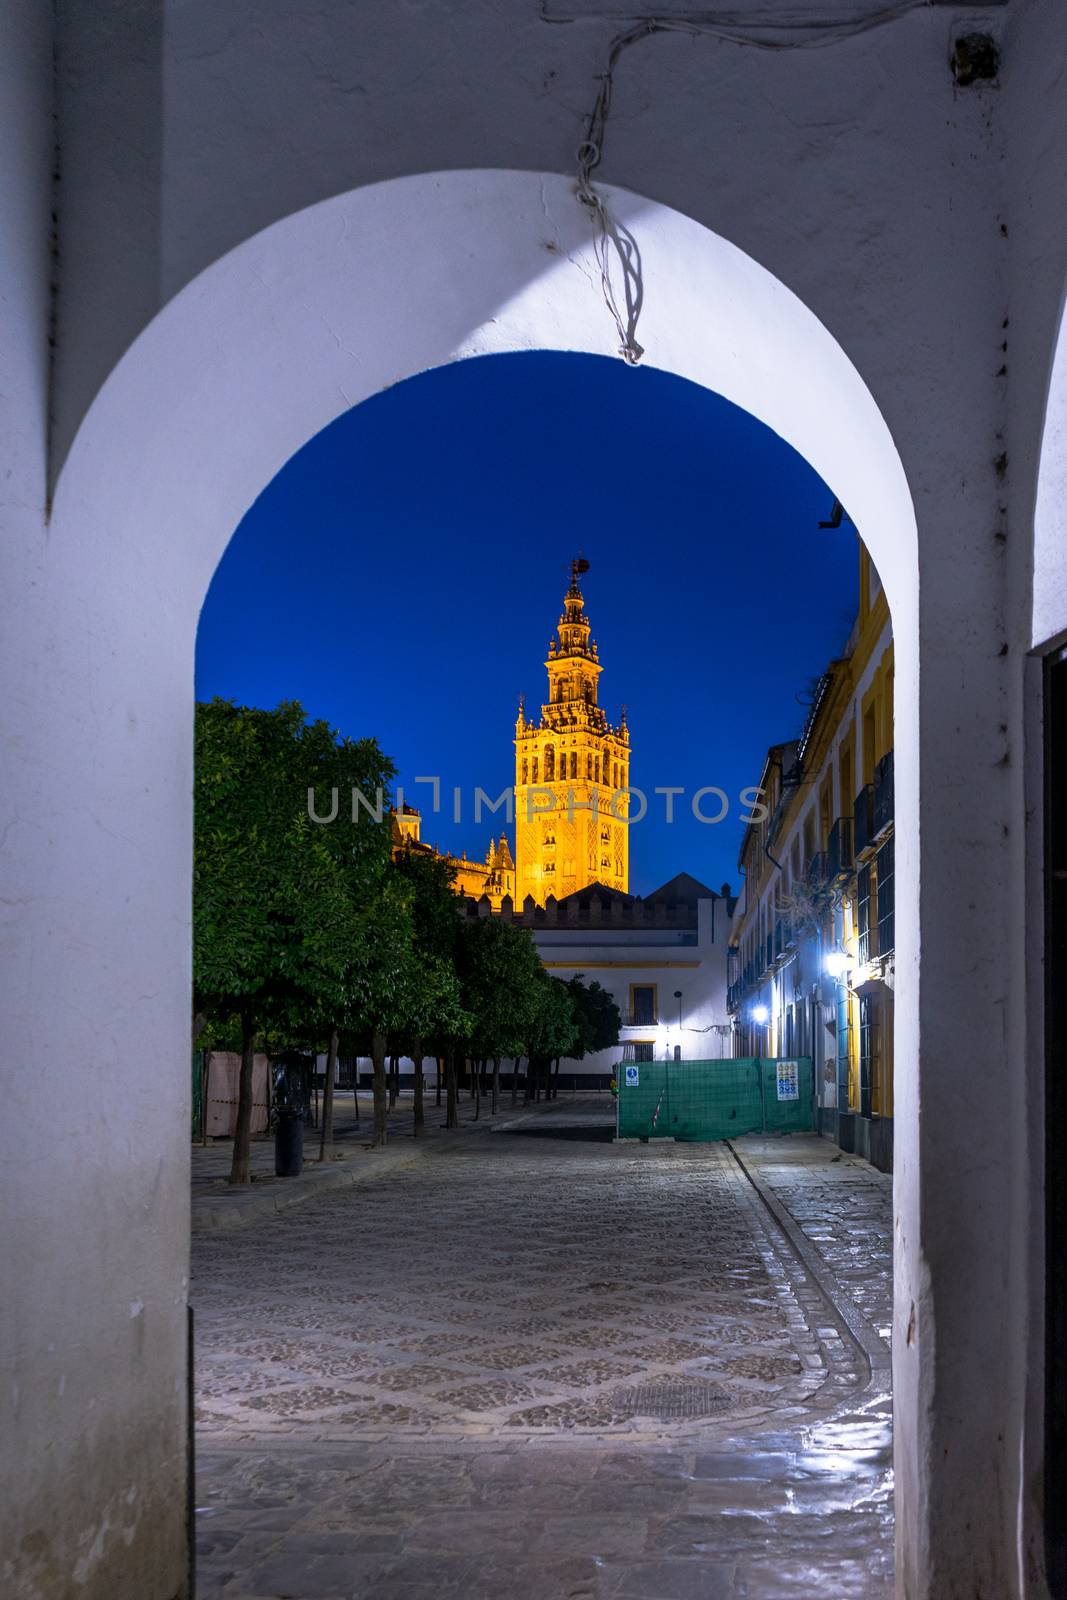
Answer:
(94, 1166)
(619, 960)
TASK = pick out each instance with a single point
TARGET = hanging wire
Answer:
(614, 246)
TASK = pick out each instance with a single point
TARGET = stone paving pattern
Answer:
(217, 1206)
(534, 1366)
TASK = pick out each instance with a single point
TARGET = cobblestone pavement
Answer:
(211, 1162)
(217, 1206)
(542, 1366)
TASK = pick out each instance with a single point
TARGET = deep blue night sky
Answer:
(402, 574)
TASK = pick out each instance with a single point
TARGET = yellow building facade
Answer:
(819, 886)
(572, 771)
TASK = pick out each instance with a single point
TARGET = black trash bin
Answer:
(288, 1116)
(289, 1143)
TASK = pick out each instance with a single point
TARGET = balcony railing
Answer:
(641, 1018)
(863, 820)
(839, 855)
(883, 795)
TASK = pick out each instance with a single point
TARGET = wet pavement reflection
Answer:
(546, 1368)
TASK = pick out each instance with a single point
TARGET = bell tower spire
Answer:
(571, 771)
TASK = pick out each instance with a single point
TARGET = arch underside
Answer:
(255, 357)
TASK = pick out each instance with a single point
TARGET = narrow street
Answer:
(538, 1364)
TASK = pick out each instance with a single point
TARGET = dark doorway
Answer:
(1055, 1121)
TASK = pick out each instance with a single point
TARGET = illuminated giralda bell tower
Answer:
(571, 771)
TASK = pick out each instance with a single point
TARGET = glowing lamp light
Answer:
(837, 963)
(760, 1014)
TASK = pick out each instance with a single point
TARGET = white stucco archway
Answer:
(256, 356)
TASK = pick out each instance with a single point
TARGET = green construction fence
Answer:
(705, 1100)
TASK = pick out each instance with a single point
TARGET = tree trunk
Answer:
(326, 1137)
(555, 1080)
(496, 1085)
(394, 1080)
(437, 1085)
(199, 1024)
(381, 1092)
(451, 1110)
(205, 1094)
(416, 1057)
(476, 1087)
(514, 1080)
(242, 1134)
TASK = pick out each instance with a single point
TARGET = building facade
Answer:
(494, 877)
(661, 957)
(812, 962)
(572, 768)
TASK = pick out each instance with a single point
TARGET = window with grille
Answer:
(642, 1004)
(870, 1055)
(883, 866)
(863, 913)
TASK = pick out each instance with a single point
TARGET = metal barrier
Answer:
(707, 1100)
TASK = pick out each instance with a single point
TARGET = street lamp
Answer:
(678, 1046)
(837, 963)
(760, 1014)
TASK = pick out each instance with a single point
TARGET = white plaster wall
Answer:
(861, 179)
(1050, 511)
(700, 973)
(93, 1184)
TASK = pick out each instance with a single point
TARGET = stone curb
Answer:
(869, 1341)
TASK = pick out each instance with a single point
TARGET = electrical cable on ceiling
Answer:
(613, 243)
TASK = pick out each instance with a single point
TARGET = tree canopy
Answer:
(309, 924)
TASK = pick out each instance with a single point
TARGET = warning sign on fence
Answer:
(633, 1077)
(789, 1080)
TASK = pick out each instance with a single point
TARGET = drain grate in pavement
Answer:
(670, 1400)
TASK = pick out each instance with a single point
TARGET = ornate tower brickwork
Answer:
(571, 770)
